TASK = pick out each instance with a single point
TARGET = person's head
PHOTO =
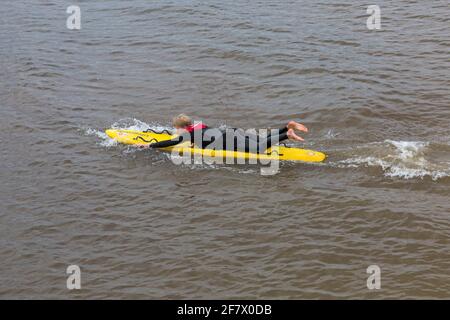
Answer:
(182, 121)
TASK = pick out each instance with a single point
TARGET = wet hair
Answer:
(182, 121)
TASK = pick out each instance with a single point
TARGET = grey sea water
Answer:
(377, 102)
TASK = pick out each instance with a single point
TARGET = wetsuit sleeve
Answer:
(167, 143)
(170, 143)
(280, 131)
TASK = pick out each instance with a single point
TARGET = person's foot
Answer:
(292, 136)
(297, 126)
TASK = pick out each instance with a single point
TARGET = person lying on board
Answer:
(213, 138)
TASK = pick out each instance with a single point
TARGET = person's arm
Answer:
(167, 143)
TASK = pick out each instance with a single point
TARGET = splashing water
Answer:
(138, 125)
(105, 140)
(401, 159)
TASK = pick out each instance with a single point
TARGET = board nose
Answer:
(112, 133)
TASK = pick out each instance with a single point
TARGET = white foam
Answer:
(407, 160)
(105, 140)
(331, 134)
(138, 125)
(409, 149)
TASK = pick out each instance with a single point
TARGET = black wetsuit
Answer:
(228, 139)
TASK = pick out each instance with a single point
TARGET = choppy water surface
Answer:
(139, 226)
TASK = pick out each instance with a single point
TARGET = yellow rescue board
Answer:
(274, 153)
